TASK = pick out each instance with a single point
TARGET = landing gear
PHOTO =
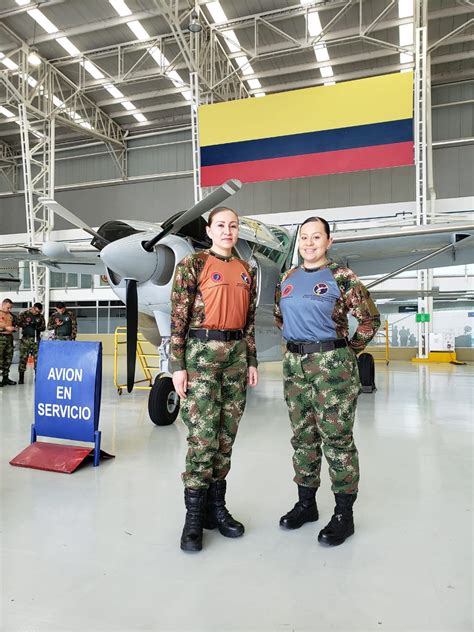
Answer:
(163, 402)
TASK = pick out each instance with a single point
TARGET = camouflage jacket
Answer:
(354, 298)
(31, 324)
(52, 324)
(188, 309)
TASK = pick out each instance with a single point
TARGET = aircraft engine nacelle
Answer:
(154, 292)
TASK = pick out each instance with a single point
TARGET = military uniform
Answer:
(64, 325)
(7, 319)
(321, 382)
(212, 337)
(32, 325)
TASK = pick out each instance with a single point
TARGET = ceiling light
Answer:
(254, 84)
(406, 34)
(217, 12)
(326, 71)
(175, 78)
(329, 83)
(405, 8)
(231, 41)
(314, 24)
(260, 94)
(140, 117)
(33, 58)
(86, 125)
(128, 105)
(92, 69)
(321, 52)
(22, 3)
(138, 30)
(9, 63)
(68, 46)
(158, 56)
(186, 94)
(120, 7)
(194, 25)
(42, 20)
(5, 112)
(115, 92)
(57, 102)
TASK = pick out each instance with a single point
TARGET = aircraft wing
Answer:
(380, 251)
(58, 256)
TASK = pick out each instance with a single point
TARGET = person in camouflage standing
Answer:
(63, 322)
(32, 324)
(320, 374)
(213, 358)
(7, 329)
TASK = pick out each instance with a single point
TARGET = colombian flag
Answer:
(351, 126)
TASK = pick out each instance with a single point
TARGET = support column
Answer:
(194, 83)
(422, 165)
(38, 149)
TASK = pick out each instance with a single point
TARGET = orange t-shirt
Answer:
(225, 289)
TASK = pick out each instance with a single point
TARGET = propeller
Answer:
(210, 201)
(132, 329)
(70, 217)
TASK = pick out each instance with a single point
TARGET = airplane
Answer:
(139, 260)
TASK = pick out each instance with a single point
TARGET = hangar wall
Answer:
(160, 168)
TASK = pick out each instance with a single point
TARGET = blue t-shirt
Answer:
(307, 304)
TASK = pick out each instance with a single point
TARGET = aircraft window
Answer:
(270, 253)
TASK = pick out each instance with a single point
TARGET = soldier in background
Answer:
(32, 324)
(63, 322)
(7, 329)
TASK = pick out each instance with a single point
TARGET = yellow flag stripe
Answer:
(360, 102)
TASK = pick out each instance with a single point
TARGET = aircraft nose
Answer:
(127, 258)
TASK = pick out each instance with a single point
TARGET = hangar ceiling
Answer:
(118, 67)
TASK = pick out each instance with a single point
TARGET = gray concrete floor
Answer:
(99, 550)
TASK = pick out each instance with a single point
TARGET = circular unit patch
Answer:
(287, 290)
(245, 278)
(216, 276)
(320, 288)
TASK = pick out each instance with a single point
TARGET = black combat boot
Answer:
(305, 509)
(7, 382)
(22, 377)
(195, 501)
(217, 514)
(341, 525)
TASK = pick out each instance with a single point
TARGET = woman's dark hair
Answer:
(327, 228)
(219, 209)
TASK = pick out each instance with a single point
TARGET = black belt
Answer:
(216, 334)
(316, 347)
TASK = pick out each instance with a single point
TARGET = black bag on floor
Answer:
(366, 364)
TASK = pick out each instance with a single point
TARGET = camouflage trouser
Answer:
(28, 347)
(217, 389)
(321, 392)
(6, 353)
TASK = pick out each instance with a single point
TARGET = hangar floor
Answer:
(98, 550)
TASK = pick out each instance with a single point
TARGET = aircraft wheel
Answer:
(163, 402)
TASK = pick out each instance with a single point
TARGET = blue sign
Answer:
(470, 314)
(67, 390)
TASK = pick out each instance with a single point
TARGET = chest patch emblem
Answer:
(245, 278)
(216, 276)
(288, 289)
(320, 288)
